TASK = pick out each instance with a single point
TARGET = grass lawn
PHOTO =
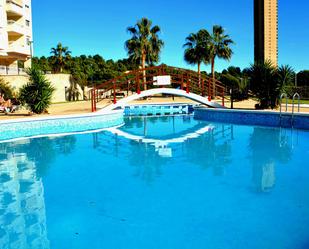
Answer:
(302, 101)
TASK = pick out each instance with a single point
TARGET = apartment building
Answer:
(15, 35)
(266, 31)
(22, 202)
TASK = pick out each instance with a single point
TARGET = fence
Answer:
(303, 91)
(5, 70)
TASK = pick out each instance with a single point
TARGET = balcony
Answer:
(3, 53)
(21, 50)
(5, 70)
(15, 29)
(14, 8)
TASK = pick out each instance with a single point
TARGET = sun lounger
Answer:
(9, 109)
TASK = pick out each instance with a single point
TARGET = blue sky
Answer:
(99, 27)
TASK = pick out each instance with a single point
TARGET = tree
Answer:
(60, 57)
(236, 81)
(37, 93)
(197, 51)
(285, 79)
(5, 89)
(144, 46)
(267, 82)
(219, 46)
(262, 83)
(41, 63)
(303, 78)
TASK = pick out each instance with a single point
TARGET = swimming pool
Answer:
(157, 182)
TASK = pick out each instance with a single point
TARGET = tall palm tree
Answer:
(197, 49)
(219, 46)
(144, 46)
(60, 56)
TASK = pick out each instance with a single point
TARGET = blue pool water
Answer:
(157, 182)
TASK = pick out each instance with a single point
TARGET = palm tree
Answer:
(37, 93)
(197, 50)
(219, 47)
(268, 82)
(144, 46)
(60, 56)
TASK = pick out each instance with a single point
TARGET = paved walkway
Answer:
(85, 106)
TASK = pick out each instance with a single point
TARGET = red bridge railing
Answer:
(142, 79)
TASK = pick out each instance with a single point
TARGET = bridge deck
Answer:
(177, 92)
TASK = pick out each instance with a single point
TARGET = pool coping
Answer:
(252, 111)
(298, 120)
(60, 134)
(54, 117)
(58, 124)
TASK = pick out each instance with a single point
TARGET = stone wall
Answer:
(59, 81)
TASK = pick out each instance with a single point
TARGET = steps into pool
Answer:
(158, 109)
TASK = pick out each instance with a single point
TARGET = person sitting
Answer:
(1, 99)
(6, 105)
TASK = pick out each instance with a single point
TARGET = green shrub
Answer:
(5, 89)
(239, 86)
(268, 82)
(37, 93)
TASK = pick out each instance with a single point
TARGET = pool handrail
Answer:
(293, 104)
(298, 102)
(286, 103)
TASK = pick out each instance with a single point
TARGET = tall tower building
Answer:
(15, 34)
(266, 31)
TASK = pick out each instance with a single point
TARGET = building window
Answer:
(27, 23)
(27, 6)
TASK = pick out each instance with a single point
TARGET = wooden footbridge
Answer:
(162, 79)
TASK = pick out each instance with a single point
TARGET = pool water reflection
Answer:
(157, 182)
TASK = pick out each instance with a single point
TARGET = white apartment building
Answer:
(15, 35)
(23, 217)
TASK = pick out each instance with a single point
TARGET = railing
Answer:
(293, 103)
(14, 8)
(142, 79)
(14, 3)
(20, 49)
(298, 103)
(4, 70)
(12, 22)
(284, 95)
(14, 26)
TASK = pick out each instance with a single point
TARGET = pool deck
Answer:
(82, 107)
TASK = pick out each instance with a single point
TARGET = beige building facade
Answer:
(61, 83)
(266, 31)
(15, 35)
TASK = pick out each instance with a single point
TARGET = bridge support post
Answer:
(209, 91)
(188, 84)
(93, 100)
(182, 82)
(222, 96)
(114, 89)
(138, 89)
(92, 109)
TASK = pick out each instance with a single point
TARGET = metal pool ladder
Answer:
(284, 95)
(298, 106)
